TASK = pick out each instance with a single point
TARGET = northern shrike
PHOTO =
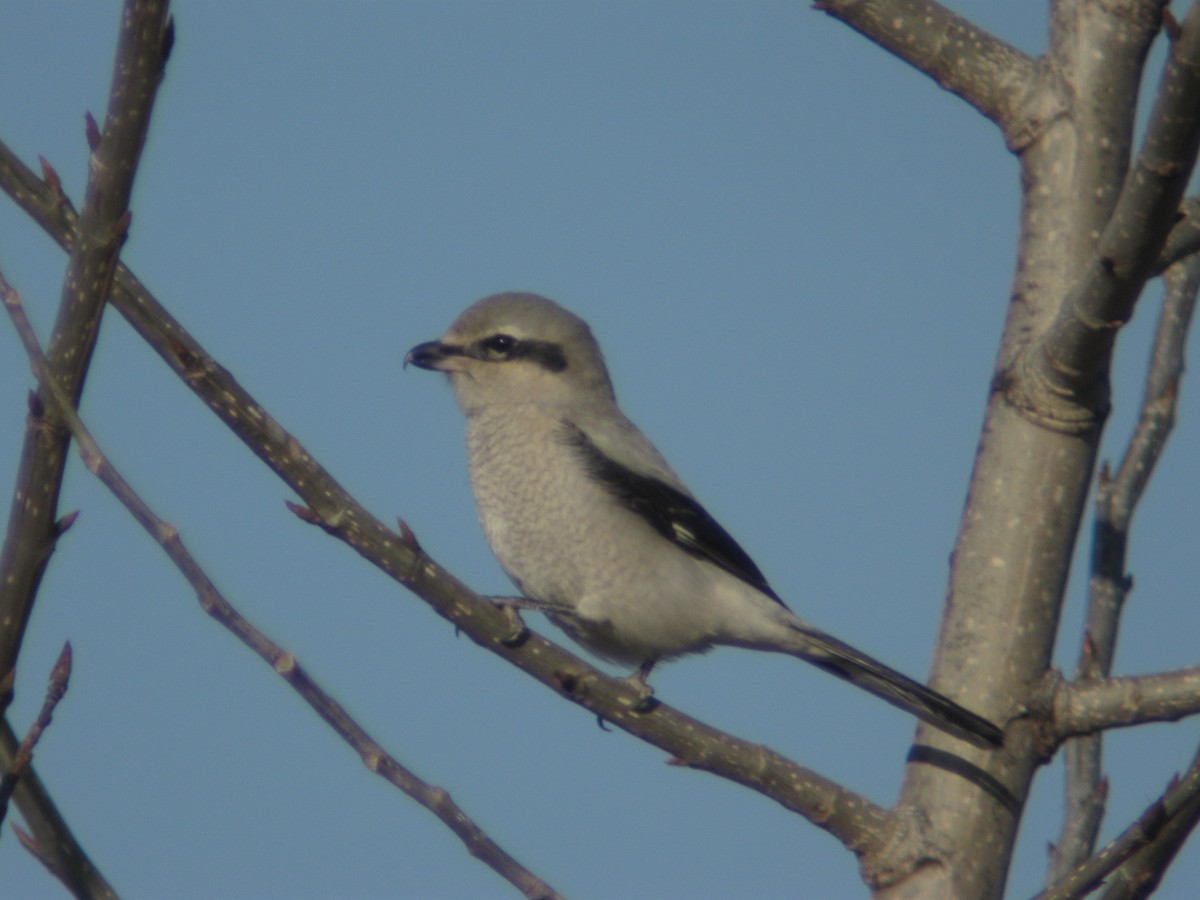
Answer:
(597, 531)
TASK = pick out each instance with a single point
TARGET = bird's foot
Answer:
(510, 606)
(519, 631)
(638, 681)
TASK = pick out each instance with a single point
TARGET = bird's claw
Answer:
(645, 693)
(646, 700)
(519, 632)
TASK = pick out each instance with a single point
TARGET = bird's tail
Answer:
(929, 706)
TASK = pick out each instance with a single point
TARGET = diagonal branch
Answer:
(996, 78)
(1163, 825)
(142, 49)
(1139, 876)
(60, 677)
(51, 843)
(32, 530)
(214, 603)
(50, 838)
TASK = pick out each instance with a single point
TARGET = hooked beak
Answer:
(434, 355)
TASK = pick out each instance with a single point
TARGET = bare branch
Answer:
(1098, 52)
(1184, 239)
(60, 677)
(1083, 707)
(51, 841)
(52, 859)
(994, 77)
(1116, 500)
(1139, 876)
(32, 531)
(1062, 381)
(1085, 789)
(1160, 824)
(61, 863)
(214, 603)
(1118, 496)
(142, 48)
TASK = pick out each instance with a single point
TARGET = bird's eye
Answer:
(500, 345)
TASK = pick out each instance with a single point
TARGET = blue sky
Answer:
(796, 253)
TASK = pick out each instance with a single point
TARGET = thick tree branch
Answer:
(142, 49)
(1033, 468)
(1102, 48)
(1062, 382)
(1085, 706)
(216, 605)
(994, 77)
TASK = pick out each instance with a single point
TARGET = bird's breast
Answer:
(535, 502)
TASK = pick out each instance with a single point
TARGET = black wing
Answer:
(670, 512)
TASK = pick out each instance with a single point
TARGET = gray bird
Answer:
(597, 531)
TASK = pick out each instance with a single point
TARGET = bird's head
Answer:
(511, 349)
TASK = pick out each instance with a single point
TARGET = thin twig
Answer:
(60, 677)
(1116, 501)
(1140, 874)
(216, 605)
(1178, 806)
(142, 48)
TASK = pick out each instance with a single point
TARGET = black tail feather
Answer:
(929, 706)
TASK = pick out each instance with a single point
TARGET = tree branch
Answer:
(1085, 790)
(31, 533)
(142, 49)
(1102, 46)
(51, 840)
(1118, 497)
(1116, 500)
(1140, 874)
(1084, 707)
(1161, 826)
(60, 677)
(997, 79)
(1062, 381)
(1184, 239)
